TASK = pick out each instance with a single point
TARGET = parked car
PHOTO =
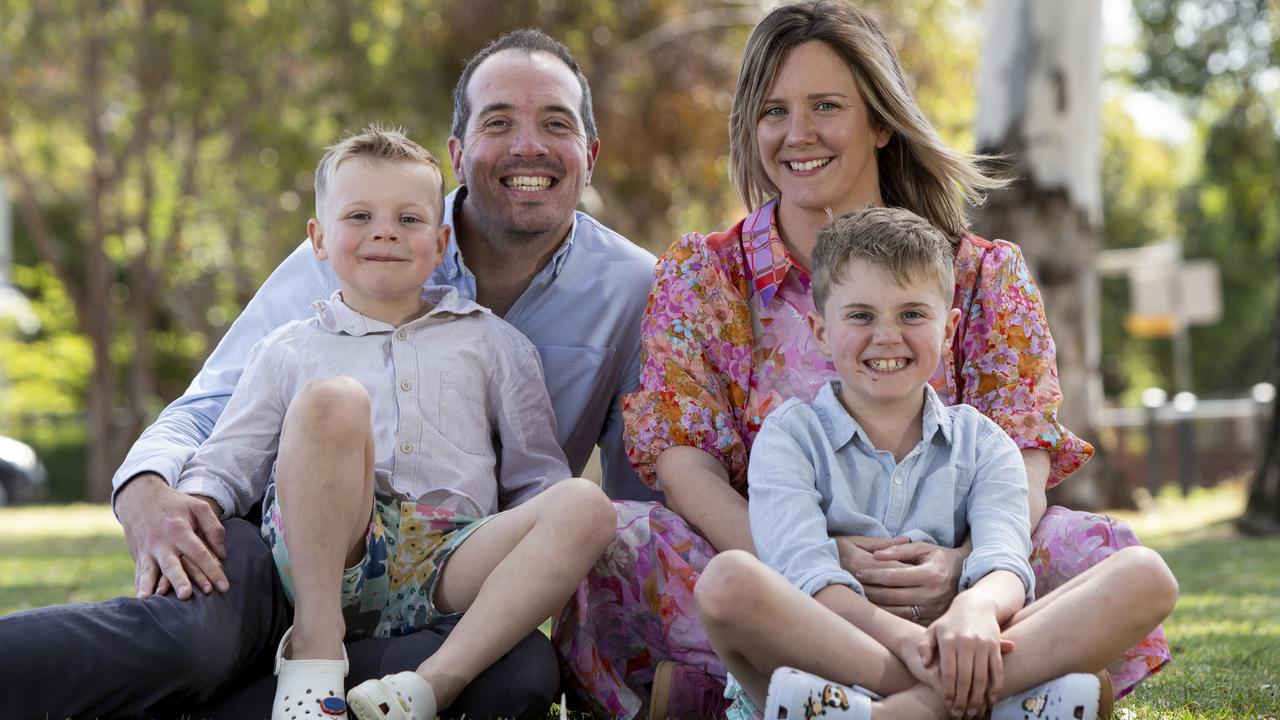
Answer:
(22, 475)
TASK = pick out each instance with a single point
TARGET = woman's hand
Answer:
(899, 575)
(966, 644)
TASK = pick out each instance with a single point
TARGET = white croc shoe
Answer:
(403, 696)
(795, 694)
(308, 689)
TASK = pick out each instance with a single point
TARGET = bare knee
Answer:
(1149, 578)
(589, 511)
(725, 590)
(335, 407)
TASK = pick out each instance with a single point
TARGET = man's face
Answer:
(525, 158)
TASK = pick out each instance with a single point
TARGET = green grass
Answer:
(1225, 631)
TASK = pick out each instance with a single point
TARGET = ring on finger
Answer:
(915, 613)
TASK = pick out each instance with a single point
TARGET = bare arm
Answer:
(965, 644)
(1037, 462)
(697, 488)
(901, 637)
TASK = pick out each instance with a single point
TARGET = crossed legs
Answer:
(757, 621)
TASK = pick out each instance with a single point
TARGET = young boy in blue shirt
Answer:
(876, 453)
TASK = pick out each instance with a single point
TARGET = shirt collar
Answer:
(337, 317)
(453, 262)
(840, 426)
(767, 258)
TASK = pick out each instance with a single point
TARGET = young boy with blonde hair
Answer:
(407, 447)
(876, 453)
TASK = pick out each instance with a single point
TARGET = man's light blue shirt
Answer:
(582, 312)
(815, 474)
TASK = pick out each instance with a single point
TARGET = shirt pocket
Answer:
(958, 480)
(464, 412)
(579, 382)
(943, 504)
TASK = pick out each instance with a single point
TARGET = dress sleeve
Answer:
(1009, 365)
(695, 362)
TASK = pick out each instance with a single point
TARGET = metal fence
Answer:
(1186, 441)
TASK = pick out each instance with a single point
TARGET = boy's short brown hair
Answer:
(898, 241)
(374, 143)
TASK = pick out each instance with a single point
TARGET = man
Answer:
(211, 611)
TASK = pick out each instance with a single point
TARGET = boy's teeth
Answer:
(528, 183)
(808, 164)
(886, 365)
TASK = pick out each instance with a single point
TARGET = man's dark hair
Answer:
(529, 41)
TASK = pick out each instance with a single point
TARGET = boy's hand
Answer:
(175, 539)
(968, 647)
(918, 656)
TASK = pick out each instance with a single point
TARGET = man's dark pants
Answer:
(211, 656)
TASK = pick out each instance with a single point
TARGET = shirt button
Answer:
(406, 448)
(401, 334)
(897, 480)
(406, 385)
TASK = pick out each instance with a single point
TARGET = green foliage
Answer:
(1219, 61)
(1140, 182)
(190, 155)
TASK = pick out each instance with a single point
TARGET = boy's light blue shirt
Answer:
(582, 312)
(814, 474)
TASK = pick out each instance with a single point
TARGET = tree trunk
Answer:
(97, 285)
(1262, 515)
(1039, 106)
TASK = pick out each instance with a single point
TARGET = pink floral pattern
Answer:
(723, 347)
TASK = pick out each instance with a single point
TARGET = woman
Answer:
(725, 341)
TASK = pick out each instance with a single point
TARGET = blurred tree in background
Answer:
(1220, 61)
(159, 155)
(1219, 194)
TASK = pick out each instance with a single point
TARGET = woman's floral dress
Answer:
(725, 341)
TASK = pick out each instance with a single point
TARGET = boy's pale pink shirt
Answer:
(460, 413)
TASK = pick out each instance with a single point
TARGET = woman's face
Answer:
(815, 137)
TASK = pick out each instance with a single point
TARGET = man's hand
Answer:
(857, 552)
(898, 575)
(176, 539)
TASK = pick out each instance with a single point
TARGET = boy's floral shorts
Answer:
(392, 590)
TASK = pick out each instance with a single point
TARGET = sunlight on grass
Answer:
(79, 520)
(61, 554)
(1171, 513)
(1225, 631)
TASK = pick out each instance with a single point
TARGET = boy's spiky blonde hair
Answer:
(898, 241)
(374, 143)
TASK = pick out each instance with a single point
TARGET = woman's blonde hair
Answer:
(917, 170)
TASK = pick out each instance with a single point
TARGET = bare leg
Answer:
(1090, 621)
(324, 484)
(757, 622)
(511, 574)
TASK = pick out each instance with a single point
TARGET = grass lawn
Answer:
(1225, 632)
